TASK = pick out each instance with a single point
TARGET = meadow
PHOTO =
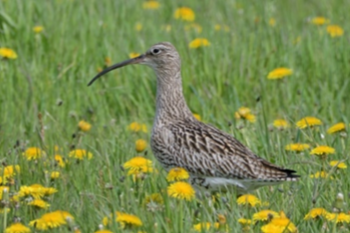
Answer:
(275, 74)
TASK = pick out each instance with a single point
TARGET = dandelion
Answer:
(136, 127)
(336, 128)
(80, 154)
(138, 27)
(133, 55)
(279, 224)
(308, 122)
(17, 228)
(245, 224)
(33, 153)
(39, 203)
(298, 147)
(196, 27)
(185, 14)
(272, 22)
(84, 126)
(248, 199)
(128, 219)
(181, 190)
(103, 231)
(177, 174)
(265, 215)
(55, 175)
(199, 42)
(279, 73)
(319, 21)
(36, 191)
(321, 174)
(138, 165)
(205, 226)
(245, 113)
(151, 5)
(140, 145)
(316, 213)
(322, 150)
(335, 30)
(59, 160)
(197, 116)
(338, 164)
(280, 124)
(7, 53)
(38, 29)
(10, 171)
(338, 217)
(51, 220)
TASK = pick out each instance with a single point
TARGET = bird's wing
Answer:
(204, 150)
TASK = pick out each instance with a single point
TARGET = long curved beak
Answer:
(135, 60)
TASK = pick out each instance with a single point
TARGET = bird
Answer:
(215, 160)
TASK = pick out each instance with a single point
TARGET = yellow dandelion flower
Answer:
(322, 150)
(137, 165)
(10, 171)
(199, 42)
(155, 198)
(319, 21)
(38, 29)
(138, 27)
(84, 126)
(338, 218)
(336, 128)
(205, 226)
(39, 203)
(185, 14)
(315, 213)
(80, 154)
(140, 145)
(245, 221)
(280, 123)
(181, 190)
(245, 113)
(51, 220)
(197, 116)
(264, 215)
(133, 55)
(279, 73)
(272, 22)
(36, 190)
(106, 220)
(340, 165)
(308, 122)
(7, 53)
(17, 228)
(55, 175)
(298, 147)
(279, 224)
(59, 160)
(321, 174)
(248, 199)
(2, 190)
(194, 26)
(103, 231)
(136, 127)
(335, 30)
(152, 5)
(128, 219)
(177, 174)
(33, 153)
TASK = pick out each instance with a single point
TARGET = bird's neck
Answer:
(171, 105)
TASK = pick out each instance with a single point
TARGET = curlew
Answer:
(214, 159)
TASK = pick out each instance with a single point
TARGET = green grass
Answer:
(57, 64)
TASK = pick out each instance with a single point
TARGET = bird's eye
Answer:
(155, 51)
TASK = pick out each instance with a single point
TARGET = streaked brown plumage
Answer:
(214, 159)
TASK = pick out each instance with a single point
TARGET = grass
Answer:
(49, 78)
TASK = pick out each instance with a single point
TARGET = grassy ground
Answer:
(44, 95)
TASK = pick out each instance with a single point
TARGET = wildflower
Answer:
(2, 190)
(199, 42)
(336, 128)
(181, 190)
(39, 203)
(245, 224)
(197, 116)
(279, 73)
(338, 218)
(55, 175)
(38, 29)
(321, 174)
(335, 30)
(279, 224)
(136, 127)
(176, 174)
(315, 213)
(33, 153)
(138, 27)
(205, 226)
(7, 53)
(103, 231)
(36, 190)
(272, 22)
(133, 55)
(9, 171)
(185, 14)
(84, 126)
(280, 124)
(196, 27)
(155, 198)
(248, 199)
(245, 113)
(51, 220)
(264, 215)
(80, 154)
(338, 164)
(298, 147)
(17, 228)
(322, 150)
(308, 122)
(128, 219)
(59, 160)
(319, 21)
(151, 5)
(140, 145)
(137, 165)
